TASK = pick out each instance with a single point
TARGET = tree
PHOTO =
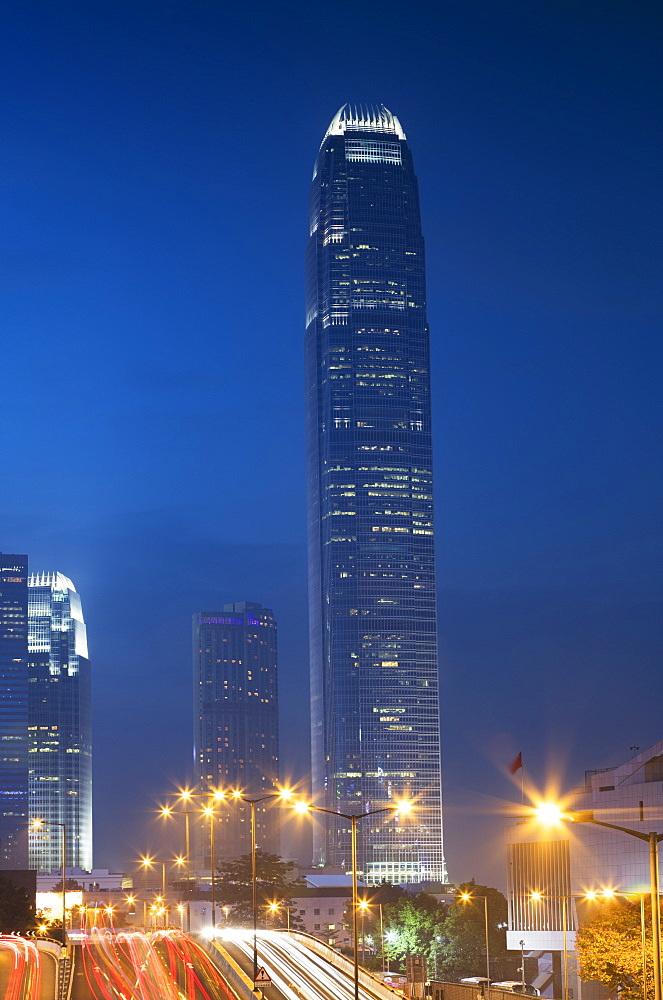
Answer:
(17, 914)
(274, 884)
(609, 947)
(413, 925)
(71, 886)
(462, 950)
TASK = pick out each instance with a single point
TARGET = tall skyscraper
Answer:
(236, 723)
(59, 723)
(373, 620)
(13, 711)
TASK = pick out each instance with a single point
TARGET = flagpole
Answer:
(522, 779)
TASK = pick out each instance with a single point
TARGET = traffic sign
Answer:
(262, 977)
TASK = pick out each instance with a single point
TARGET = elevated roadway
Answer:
(28, 969)
(300, 967)
(131, 965)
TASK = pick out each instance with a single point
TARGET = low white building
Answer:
(320, 907)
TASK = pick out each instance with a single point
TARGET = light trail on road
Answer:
(296, 971)
(21, 961)
(132, 965)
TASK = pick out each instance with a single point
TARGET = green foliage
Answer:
(609, 947)
(462, 950)
(413, 926)
(274, 884)
(452, 938)
(16, 910)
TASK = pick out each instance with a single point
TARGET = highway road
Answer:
(25, 972)
(296, 971)
(131, 965)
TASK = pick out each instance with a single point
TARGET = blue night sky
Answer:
(156, 159)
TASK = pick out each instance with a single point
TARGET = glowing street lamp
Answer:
(284, 795)
(213, 797)
(403, 807)
(167, 812)
(274, 909)
(551, 813)
(467, 897)
(37, 824)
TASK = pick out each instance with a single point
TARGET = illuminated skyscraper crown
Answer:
(367, 118)
(56, 581)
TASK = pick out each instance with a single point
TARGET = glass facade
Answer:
(373, 620)
(13, 711)
(236, 722)
(59, 724)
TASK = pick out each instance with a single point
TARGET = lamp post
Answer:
(151, 862)
(551, 813)
(565, 965)
(467, 897)
(283, 795)
(397, 807)
(166, 812)
(37, 824)
(610, 894)
(363, 906)
(148, 862)
(208, 811)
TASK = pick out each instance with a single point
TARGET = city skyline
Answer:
(156, 168)
(375, 730)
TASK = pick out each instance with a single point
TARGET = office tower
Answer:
(373, 622)
(13, 711)
(59, 724)
(236, 726)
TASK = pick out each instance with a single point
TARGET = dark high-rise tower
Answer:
(236, 734)
(13, 711)
(373, 621)
(60, 725)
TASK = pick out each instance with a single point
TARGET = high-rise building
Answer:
(13, 711)
(373, 620)
(59, 724)
(236, 727)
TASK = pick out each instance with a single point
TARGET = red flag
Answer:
(516, 764)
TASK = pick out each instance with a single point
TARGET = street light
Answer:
(550, 813)
(212, 797)
(468, 897)
(403, 807)
(37, 824)
(608, 894)
(275, 907)
(167, 812)
(363, 906)
(151, 862)
(536, 896)
(284, 795)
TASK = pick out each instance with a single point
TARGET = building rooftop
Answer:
(365, 118)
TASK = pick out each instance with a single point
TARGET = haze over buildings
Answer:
(373, 621)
